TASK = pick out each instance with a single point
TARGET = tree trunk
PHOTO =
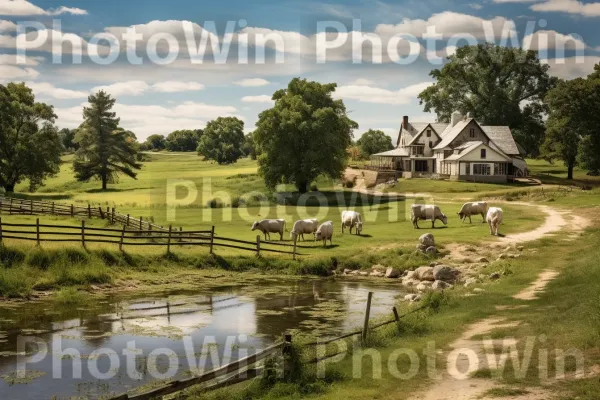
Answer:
(302, 186)
(570, 171)
(9, 188)
(104, 182)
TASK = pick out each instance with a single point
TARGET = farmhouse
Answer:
(461, 150)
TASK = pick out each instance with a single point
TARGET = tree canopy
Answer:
(183, 140)
(67, 138)
(304, 135)
(105, 150)
(373, 142)
(155, 143)
(222, 140)
(30, 146)
(572, 127)
(497, 86)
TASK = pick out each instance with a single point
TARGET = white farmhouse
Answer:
(461, 150)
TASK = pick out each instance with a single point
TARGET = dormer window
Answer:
(428, 132)
(483, 154)
(472, 132)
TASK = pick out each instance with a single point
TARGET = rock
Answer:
(502, 256)
(427, 240)
(440, 285)
(470, 282)
(363, 273)
(478, 290)
(348, 271)
(377, 274)
(410, 282)
(445, 273)
(94, 287)
(378, 267)
(515, 256)
(483, 260)
(392, 273)
(422, 247)
(412, 297)
(410, 275)
(520, 248)
(421, 287)
(431, 250)
(355, 272)
(495, 276)
(433, 264)
(424, 273)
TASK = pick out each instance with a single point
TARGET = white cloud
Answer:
(569, 6)
(129, 88)
(48, 90)
(361, 81)
(447, 23)
(11, 59)
(572, 67)
(475, 6)
(138, 87)
(369, 94)
(258, 99)
(7, 26)
(146, 120)
(252, 82)
(177, 86)
(11, 72)
(543, 40)
(23, 8)
(56, 41)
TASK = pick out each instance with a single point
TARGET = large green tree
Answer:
(155, 143)
(105, 150)
(304, 135)
(183, 140)
(67, 138)
(374, 141)
(30, 147)
(497, 85)
(572, 127)
(222, 140)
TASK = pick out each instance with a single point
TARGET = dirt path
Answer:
(530, 293)
(554, 222)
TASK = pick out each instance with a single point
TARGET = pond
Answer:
(122, 342)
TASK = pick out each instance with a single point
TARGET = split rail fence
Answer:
(135, 231)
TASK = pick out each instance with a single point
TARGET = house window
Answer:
(421, 166)
(481, 169)
(431, 145)
(472, 132)
(483, 154)
(428, 132)
(468, 169)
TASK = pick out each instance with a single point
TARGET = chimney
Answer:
(405, 122)
(456, 118)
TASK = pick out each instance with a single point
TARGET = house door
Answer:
(421, 166)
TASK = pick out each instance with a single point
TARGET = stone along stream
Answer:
(120, 342)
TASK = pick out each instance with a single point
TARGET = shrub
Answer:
(215, 203)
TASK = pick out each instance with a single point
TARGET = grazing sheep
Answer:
(352, 219)
(427, 213)
(474, 208)
(268, 226)
(325, 232)
(494, 219)
(304, 226)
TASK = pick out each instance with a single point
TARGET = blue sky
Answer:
(160, 98)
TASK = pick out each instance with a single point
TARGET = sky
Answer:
(159, 90)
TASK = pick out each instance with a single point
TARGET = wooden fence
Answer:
(135, 231)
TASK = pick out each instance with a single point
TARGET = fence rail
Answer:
(135, 231)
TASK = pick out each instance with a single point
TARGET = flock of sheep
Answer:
(353, 220)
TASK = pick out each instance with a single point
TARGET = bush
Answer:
(314, 188)
(215, 203)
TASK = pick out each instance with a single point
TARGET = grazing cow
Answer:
(474, 208)
(325, 232)
(428, 213)
(304, 226)
(494, 219)
(352, 219)
(268, 226)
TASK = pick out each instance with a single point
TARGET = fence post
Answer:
(180, 234)
(396, 317)
(122, 237)
(113, 216)
(127, 222)
(30, 206)
(52, 208)
(83, 233)
(258, 245)
(0, 229)
(295, 243)
(89, 211)
(101, 212)
(72, 210)
(212, 239)
(140, 224)
(37, 231)
(367, 312)
(169, 240)
(10, 207)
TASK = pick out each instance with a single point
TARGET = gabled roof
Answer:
(469, 147)
(418, 135)
(399, 152)
(415, 128)
(451, 134)
(503, 138)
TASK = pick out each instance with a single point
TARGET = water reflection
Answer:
(263, 312)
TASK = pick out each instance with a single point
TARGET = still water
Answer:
(113, 337)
